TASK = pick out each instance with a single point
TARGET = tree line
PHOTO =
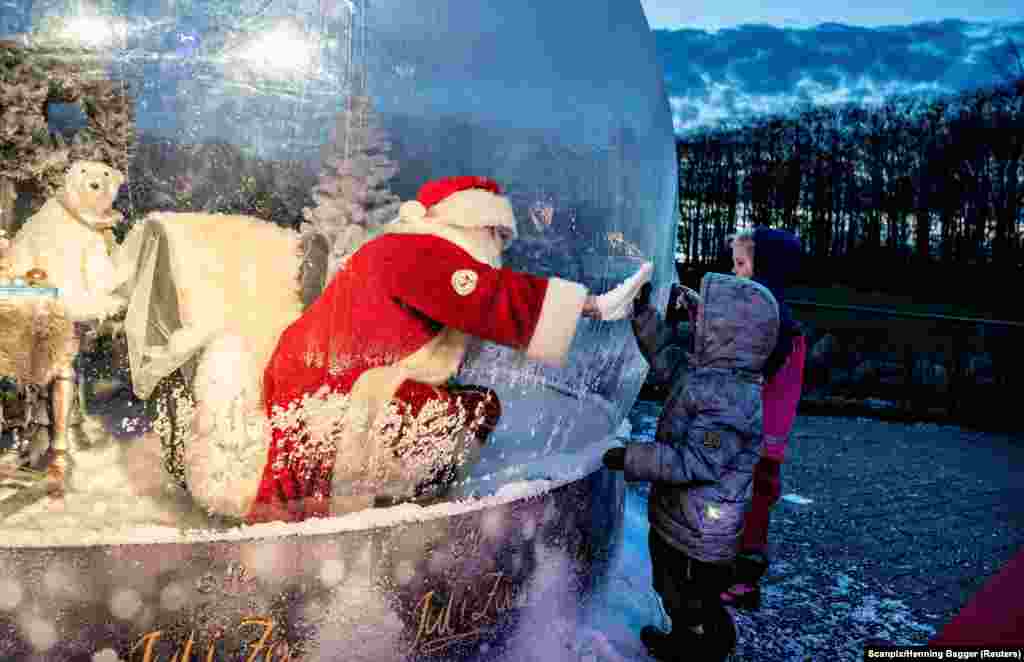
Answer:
(914, 187)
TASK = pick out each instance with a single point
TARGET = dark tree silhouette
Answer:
(913, 193)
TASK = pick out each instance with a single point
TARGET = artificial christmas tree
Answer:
(352, 196)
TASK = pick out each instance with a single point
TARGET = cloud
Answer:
(752, 70)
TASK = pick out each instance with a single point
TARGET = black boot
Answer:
(719, 638)
(667, 646)
(745, 592)
(715, 643)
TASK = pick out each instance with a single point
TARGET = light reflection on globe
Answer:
(563, 104)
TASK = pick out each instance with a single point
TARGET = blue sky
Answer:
(716, 14)
(726, 61)
(721, 61)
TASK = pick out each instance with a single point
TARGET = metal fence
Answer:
(924, 365)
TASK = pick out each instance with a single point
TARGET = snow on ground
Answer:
(119, 493)
(813, 608)
(115, 486)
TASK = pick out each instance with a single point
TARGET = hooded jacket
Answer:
(777, 256)
(709, 436)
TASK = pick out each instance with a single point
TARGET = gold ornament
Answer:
(36, 277)
(464, 281)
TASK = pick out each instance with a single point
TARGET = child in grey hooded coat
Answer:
(701, 465)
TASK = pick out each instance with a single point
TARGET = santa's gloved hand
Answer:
(618, 303)
(615, 458)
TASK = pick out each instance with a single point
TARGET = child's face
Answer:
(742, 262)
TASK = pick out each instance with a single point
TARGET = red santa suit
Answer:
(356, 388)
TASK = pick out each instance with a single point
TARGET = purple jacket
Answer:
(709, 435)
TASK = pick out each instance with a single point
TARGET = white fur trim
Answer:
(226, 452)
(412, 211)
(475, 208)
(559, 315)
(618, 303)
(477, 244)
(185, 342)
(219, 268)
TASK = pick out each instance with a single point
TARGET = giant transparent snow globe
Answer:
(286, 111)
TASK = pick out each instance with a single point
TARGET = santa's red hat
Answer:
(468, 202)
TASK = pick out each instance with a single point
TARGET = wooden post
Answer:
(955, 369)
(8, 200)
(908, 378)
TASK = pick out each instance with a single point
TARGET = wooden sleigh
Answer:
(35, 340)
(200, 275)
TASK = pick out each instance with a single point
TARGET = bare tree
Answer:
(936, 179)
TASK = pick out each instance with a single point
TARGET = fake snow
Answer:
(10, 594)
(174, 597)
(332, 572)
(120, 494)
(41, 633)
(116, 500)
(125, 603)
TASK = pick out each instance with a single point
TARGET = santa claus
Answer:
(358, 388)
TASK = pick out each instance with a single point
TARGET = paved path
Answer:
(904, 524)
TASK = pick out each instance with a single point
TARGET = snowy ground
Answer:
(118, 492)
(116, 483)
(853, 562)
(817, 604)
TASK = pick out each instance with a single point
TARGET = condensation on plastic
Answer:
(562, 102)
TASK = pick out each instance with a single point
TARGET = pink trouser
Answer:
(767, 490)
(780, 398)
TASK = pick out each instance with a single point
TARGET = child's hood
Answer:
(776, 259)
(737, 323)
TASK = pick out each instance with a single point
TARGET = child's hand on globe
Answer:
(681, 299)
(643, 299)
(689, 297)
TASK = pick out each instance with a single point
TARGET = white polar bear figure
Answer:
(65, 238)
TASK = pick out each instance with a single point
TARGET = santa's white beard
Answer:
(488, 244)
(484, 243)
